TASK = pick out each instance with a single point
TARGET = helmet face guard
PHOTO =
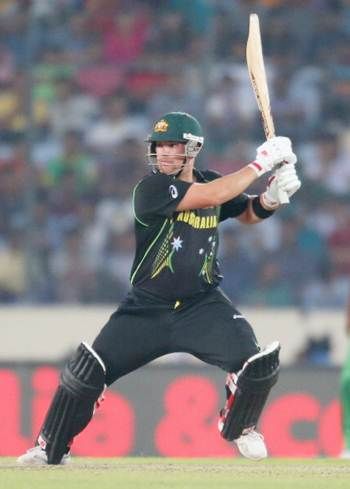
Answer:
(176, 127)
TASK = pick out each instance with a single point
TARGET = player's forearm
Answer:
(249, 216)
(229, 186)
(218, 191)
(255, 213)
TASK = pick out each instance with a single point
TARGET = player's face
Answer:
(170, 157)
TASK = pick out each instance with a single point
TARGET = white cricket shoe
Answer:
(37, 456)
(251, 445)
(345, 454)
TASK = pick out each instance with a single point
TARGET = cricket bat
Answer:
(257, 74)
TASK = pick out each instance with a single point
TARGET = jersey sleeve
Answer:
(158, 195)
(234, 207)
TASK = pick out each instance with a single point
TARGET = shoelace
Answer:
(254, 434)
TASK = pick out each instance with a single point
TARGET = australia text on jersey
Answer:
(198, 222)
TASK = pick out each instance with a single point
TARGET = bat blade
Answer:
(257, 74)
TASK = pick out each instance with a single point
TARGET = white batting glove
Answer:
(284, 178)
(272, 152)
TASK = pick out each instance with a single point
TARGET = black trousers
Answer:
(144, 328)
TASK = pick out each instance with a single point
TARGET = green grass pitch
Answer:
(173, 473)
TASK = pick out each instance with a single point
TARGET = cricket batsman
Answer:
(175, 303)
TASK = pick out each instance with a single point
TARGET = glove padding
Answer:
(271, 153)
(284, 178)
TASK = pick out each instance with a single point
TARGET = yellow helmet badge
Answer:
(161, 126)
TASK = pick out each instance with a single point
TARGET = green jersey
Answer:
(176, 251)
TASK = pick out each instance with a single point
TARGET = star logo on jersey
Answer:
(177, 243)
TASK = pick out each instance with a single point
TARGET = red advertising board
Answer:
(173, 410)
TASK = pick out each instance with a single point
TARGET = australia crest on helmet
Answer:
(161, 126)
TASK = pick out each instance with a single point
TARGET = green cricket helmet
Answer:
(177, 127)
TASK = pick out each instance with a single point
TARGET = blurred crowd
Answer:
(81, 82)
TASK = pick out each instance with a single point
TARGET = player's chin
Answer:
(169, 169)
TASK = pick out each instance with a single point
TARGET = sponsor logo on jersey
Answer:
(198, 222)
(173, 191)
(161, 126)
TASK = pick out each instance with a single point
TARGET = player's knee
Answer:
(84, 375)
(237, 364)
(109, 363)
